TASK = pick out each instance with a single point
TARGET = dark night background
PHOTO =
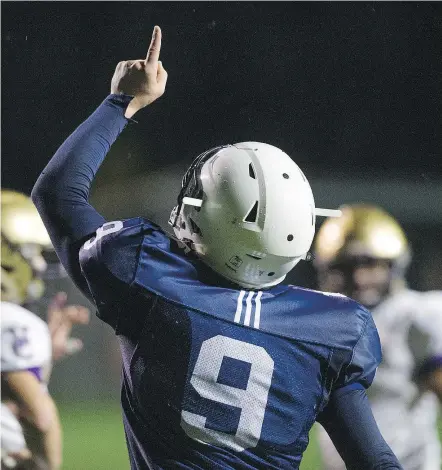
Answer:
(347, 87)
(352, 90)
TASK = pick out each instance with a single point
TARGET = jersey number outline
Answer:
(105, 229)
(252, 400)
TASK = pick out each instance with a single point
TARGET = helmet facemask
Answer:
(25, 243)
(21, 271)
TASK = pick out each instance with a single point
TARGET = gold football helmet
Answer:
(362, 230)
(364, 236)
(24, 237)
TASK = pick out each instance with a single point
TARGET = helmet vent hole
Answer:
(194, 227)
(285, 176)
(252, 172)
(253, 213)
(183, 225)
(290, 237)
(271, 274)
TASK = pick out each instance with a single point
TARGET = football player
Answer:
(223, 365)
(364, 255)
(29, 417)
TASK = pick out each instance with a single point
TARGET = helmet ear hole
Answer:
(252, 214)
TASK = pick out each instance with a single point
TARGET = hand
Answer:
(144, 79)
(61, 318)
(20, 459)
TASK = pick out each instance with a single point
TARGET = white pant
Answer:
(12, 439)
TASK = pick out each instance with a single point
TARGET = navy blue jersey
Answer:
(215, 376)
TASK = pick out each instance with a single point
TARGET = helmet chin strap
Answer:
(327, 212)
(187, 201)
(191, 201)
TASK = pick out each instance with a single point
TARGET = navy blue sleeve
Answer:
(61, 192)
(365, 359)
(109, 263)
(349, 422)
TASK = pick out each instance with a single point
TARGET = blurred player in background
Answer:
(364, 255)
(223, 366)
(30, 426)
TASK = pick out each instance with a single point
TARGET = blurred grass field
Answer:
(94, 439)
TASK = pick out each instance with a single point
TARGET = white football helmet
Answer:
(248, 212)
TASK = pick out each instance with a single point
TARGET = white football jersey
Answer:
(410, 329)
(26, 341)
(25, 345)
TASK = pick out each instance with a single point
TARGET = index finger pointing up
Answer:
(153, 53)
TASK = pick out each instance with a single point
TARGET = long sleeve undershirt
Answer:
(61, 193)
(349, 422)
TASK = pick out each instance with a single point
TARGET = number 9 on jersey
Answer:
(252, 400)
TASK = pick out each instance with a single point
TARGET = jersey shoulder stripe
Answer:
(252, 310)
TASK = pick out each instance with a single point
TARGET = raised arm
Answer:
(61, 192)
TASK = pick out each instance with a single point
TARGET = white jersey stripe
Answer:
(258, 309)
(239, 306)
(248, 308)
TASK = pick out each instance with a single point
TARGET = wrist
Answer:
(133, 107)
(120, 99)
